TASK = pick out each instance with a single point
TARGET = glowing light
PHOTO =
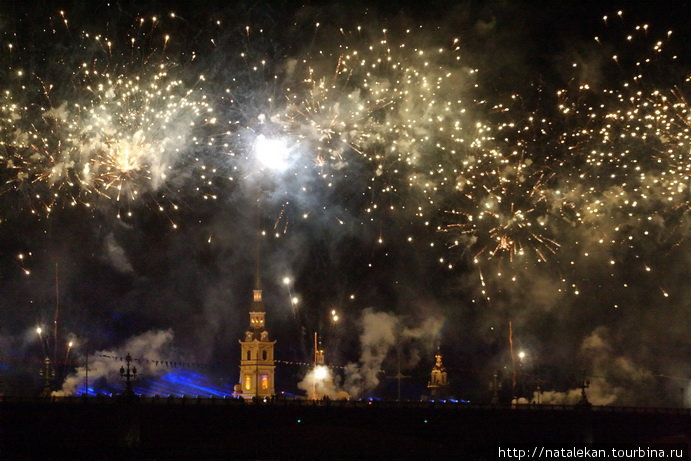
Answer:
(321, 372)
(272, 153)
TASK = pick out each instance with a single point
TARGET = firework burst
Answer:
(111, 130)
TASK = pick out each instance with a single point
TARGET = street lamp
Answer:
(128, 374)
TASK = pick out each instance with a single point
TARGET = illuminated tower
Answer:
(257, 352)
(318, 351)
(438, 380)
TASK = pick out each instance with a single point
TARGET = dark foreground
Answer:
(74, 428)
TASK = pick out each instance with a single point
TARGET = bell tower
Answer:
(257, 352)
(438, 382)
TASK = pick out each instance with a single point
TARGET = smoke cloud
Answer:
(380, 333)
(153, 345)
(320, 382)
(117, 256)
(612, 379)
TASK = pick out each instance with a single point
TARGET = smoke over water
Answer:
(104, 370)
(611, 379)
(320, 382)
(381, 334)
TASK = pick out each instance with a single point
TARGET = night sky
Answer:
(452, 175)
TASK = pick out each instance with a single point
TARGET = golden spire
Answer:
(257, 302)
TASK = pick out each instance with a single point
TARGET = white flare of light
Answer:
(272, 153)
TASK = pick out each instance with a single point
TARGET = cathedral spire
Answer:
(257, 302)
(257, 262)
(257, 349)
